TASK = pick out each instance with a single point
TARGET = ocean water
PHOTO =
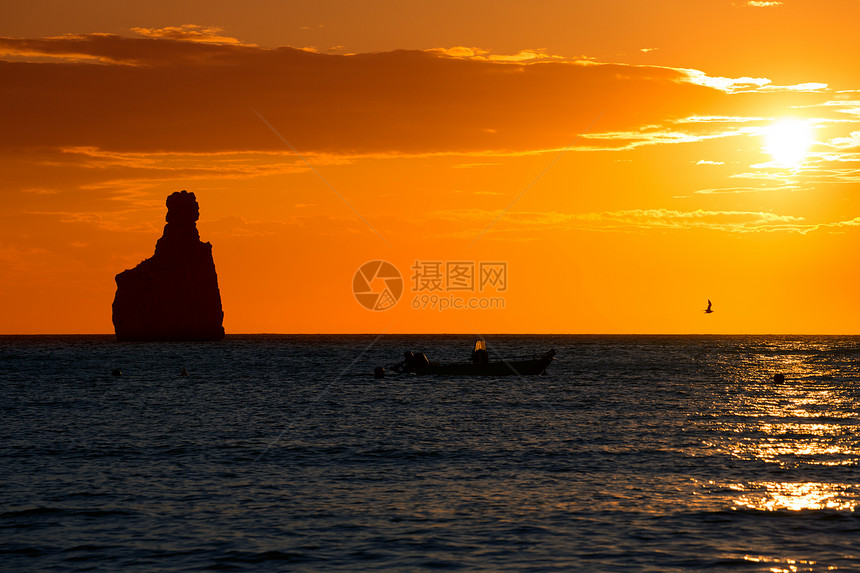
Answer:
(633, 453)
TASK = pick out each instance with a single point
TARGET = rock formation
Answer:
(174, 294)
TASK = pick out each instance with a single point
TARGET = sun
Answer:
(788, 141)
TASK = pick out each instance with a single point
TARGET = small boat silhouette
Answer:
(479, 365)
(708, 310)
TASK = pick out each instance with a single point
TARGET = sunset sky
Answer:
(626, 161)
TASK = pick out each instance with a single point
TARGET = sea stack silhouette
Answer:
(174, 294)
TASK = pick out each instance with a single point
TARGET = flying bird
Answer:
(708, 310)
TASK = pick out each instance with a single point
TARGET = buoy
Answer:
(116, 372)
(379, 372)
(779, 378)
(184, 372)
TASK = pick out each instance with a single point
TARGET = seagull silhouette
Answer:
(708, 310)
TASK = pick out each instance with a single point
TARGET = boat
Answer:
(479, 365)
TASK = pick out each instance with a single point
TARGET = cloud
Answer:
(188, 32)
(732, 221)
(236, 164)
(471, 165)
(517, 223)
(738, 190)
(852, 141)
(729, 85)
(14, 254)
(746, 84)
(118, 50)
(40, 191)
(624, 140)
(176, 91)
(478, 54)
(192, 90)
(116, 221)
(717, 119)
(804, 87)
(760, 4)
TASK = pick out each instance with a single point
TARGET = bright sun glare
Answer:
(788, 141)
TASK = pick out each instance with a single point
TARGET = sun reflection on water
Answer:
(793, 443)
(774, 496)
(785, 565)
(786, 496)
(800, 424)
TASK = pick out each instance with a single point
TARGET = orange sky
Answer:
(622, 160)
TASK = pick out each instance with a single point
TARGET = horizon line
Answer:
(236, 334)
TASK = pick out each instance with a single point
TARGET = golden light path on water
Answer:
(791, 565)
(798, 424)
(772, 496)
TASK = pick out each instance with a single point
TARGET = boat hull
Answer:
(502, 368)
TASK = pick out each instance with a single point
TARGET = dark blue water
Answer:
(283, 452)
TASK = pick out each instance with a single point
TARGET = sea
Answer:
(284, 453)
